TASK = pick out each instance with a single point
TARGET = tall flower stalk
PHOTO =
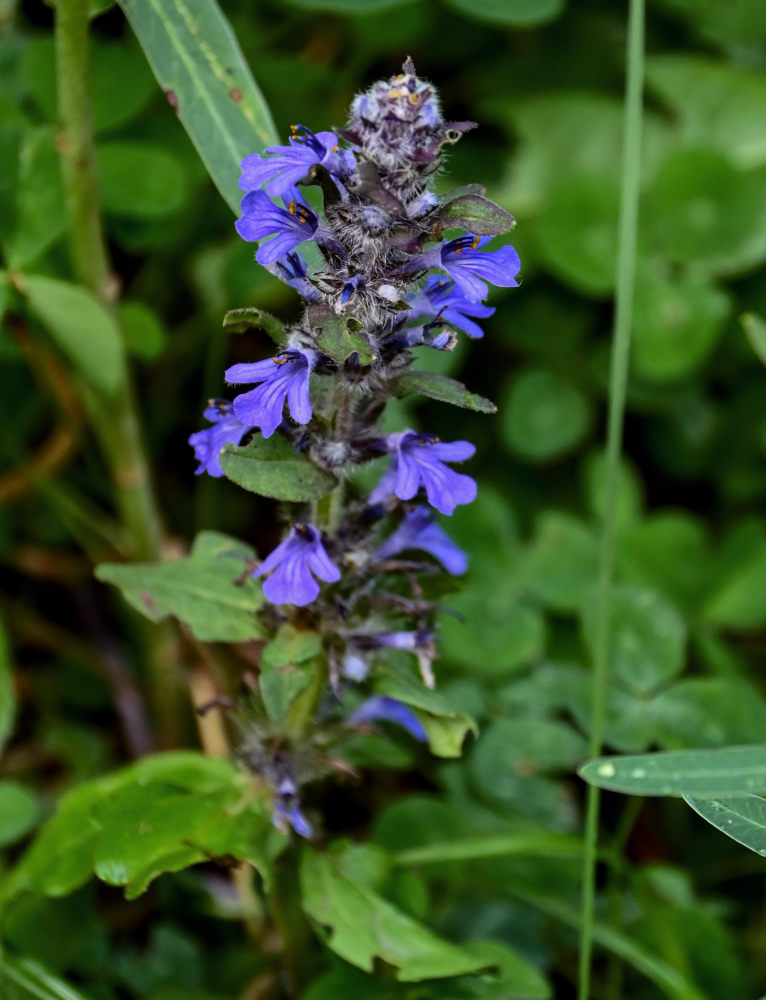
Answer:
(348, 589)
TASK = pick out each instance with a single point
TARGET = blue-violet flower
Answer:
(419, 530)
(287, 808)
(381, 708)
(443, 299)
(290, 227)
(289, 164)
(293, 562)
(283, 377)
(207, 444)
(467, 263)
(418, 460)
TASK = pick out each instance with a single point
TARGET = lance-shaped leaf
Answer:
(27, 979)
(742, 818)
(478, 215)
(362, 926)
(446, 390)
(333, 336)
(250, 318)
(707, 773)
(200, 67)
(271, 468)
(210, 590)
(81, 326)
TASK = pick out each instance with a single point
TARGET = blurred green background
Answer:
(544, 80)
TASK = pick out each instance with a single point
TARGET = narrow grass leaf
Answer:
(742, 818)
(719, 772)
(200, 67)
(670, 981)
(33, 981)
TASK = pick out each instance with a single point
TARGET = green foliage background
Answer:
(544, 80)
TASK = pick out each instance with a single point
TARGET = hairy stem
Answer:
(114, 416)
(626, 271)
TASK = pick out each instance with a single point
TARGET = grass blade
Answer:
(743, 819)
(198, 63)
(725, 771)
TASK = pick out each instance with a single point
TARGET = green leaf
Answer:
(440, 387)
(445, 727)
(676, 324)
(250, 318)
(31, 980)
(630, 490)
(509, 762)
(560, 566)
(755, 329)
(648, 638)
(550, 127)
(271, 467)
(528, 843)
(161, 814)
(719, 102)
(362, 926)
(200, 67)
(288, 667)
(703, 209)
(80, 325)
(40, 210)
(210, 590)
(739, 30)
(140, 180)
(629, 726)
(7, 689)
(669, 552)
(497, 632)
(142, 331)
(121, 86)
(737, 600)
(19, 811)
(522, 13)
(149, 829)
(512, 978)
(333, 336)
(577, 234)
(709, 711)
(722, 772)
(743, 818)
(476, 214)
(545, 416)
